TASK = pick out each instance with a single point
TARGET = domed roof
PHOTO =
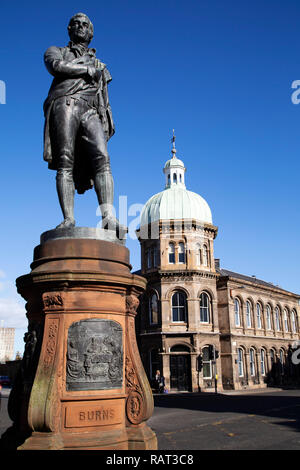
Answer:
(174, 161)
(175, 202)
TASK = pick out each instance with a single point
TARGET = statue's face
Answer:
(79, 30)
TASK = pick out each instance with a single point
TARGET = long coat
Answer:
(60, 63)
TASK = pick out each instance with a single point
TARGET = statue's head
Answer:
(80, 29)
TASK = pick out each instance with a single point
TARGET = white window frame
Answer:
(210, 366)
(258, 315)
(248, 314)
(207, 308)
(171, 251)
(240, 364)
(252, 361)
(277, 318)
(205, 256)
(293, 322)
(179, 307)
(237, 312)
(181, 251)
(285, 320)
(268, 317)
(263, 362)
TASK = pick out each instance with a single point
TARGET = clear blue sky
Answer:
(219, 72)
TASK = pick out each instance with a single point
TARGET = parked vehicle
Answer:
(5, 381)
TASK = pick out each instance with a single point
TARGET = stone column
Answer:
(81, 383)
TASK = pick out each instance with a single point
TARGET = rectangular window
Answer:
(204, 308)
(252, 363)
(248, 315)
(237, 312)
(207, 370)
(240, 363)
(262, 362)
(268, 317)
(258, 313)
(171, 253)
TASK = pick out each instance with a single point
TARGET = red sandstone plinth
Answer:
(82, 384)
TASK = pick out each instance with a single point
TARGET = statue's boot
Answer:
(66, 191)
(104, 187)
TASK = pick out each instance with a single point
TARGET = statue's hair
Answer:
(91, 27)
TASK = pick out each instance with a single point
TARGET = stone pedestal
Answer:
(81, 384)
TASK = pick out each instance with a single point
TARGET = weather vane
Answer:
(173, 142)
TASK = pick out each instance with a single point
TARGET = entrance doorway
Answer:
(180, 372)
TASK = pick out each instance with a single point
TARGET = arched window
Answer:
(207, 366)
(268, 317)
(181, 253)
(277, 319)
(205, 255)
(153, 309)
(293, 321)
(272, 357)
(263, 362)
(198, 255)
(281, 360)
(179, 307)
(174, 178)
(205, 307)
(180, 348)
(248, 314)
(237, 308)
(171, 253)
(258, 315)
(240, 362)
(252, 361)
(285, 320)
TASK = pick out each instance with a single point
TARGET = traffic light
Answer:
(216, 353)
(200, 363)
(210, 352)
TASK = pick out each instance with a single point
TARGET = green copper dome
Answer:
(176, 203)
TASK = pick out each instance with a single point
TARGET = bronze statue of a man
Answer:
(78, 123)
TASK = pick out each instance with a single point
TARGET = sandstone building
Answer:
(203, 326)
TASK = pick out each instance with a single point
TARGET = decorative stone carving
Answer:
(51, 343)
(94, 355)
(134, 408)
(52, 301)
(132, 303)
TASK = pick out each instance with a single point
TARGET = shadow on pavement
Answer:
(276, 405)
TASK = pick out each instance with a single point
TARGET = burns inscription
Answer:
(94, 355)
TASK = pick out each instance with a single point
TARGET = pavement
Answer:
(267, 419)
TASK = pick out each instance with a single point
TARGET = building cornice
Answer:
(179, 276)
(225, 280)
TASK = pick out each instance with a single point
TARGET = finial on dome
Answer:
(173, 143)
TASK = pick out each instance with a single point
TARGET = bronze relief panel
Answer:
(94, 355)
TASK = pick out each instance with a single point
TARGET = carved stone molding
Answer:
(132, 303)
(53, 300)
(51, 342)
(134, 408)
